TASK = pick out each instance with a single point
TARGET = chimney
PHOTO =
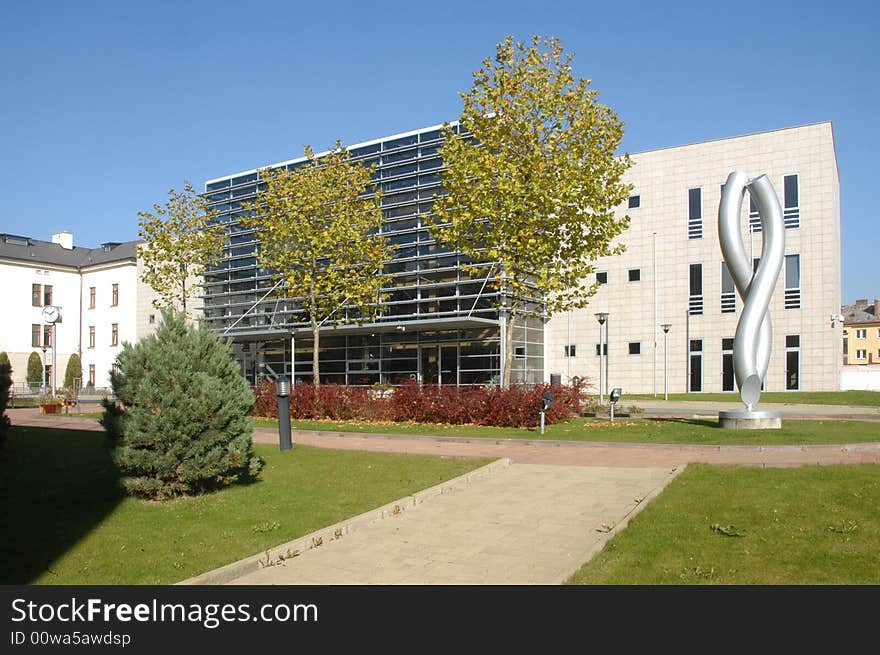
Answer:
(861, 303)
(64, 239)
(876, 307)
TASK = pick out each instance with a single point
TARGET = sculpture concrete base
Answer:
(744, 420)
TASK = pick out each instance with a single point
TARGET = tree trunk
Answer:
(316, 336)
(509, 320)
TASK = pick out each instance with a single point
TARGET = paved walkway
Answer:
(523, 524)
(686, 408)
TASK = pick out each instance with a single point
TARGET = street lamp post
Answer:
(666, 327)
(43, 383)
(602, 317)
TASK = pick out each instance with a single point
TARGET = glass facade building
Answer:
(439, 324)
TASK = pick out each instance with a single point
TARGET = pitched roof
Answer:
(45, 252)
(859, 313)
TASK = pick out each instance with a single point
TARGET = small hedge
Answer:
(516, 406)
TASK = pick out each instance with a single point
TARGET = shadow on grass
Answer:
(55, 487)
(702, 422)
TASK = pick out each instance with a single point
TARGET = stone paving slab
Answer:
(524, 524)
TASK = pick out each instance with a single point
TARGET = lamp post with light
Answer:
(602, 317)
(666, 327)
(283, 393)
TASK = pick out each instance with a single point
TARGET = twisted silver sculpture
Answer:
(754, 333)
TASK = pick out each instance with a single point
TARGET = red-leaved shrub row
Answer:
(516, 406)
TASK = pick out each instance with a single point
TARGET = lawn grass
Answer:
(670, 431)
(65, 521)
(808, 525)
(853, 398)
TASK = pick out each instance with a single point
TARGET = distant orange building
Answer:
(861, 332)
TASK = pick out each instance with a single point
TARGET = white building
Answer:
(102, 300)
(672, 272)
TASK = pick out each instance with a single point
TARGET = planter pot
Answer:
(50, 409)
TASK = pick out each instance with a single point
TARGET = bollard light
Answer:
(614, 398)
(282, 387)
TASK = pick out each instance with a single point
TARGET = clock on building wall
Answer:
(51, 314)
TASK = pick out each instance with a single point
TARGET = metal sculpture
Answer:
(754, 332)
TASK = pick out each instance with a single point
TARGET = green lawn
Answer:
(673, 431)
(854, 398)
(809, 525)
(65, 521)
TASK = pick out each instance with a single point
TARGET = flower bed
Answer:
(516, 406)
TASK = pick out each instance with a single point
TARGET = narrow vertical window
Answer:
(728, 291)
(36, 295)
(47, 294)
(792, 362)
(91, 297)
(728, 379)
(91, 375)
(114, 334)
(792, 281)
(47, 336)
(754, 216)
(91, 336)
(35, 335)
(695, 213)
(791, 212)
(695, 304)
(695, 365)
(115, 295)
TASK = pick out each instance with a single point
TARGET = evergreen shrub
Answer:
(181, 423)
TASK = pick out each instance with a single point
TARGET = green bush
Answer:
(5, 383)
(34, 369)
(73, 371)
(181, 425)
(4, 359)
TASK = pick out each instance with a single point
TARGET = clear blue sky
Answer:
(106, 105)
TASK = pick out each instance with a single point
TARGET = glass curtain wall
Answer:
(428, 288)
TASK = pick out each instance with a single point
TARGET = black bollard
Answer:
(283, 391)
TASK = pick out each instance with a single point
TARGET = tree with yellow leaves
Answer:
(532, 181)
(180, 241)
(322, 237)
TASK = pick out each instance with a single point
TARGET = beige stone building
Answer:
(672, 272)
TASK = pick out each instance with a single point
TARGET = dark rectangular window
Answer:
(519, 352)
(115, 296)
(635, 348)
(728, 290)
(604, 349)
(792, 281)
(695, 213)
(91, 375)
(35, 335)
(754, 216)
(635, 274)
(792, 361)
(695, 365)
(728, 380)
(91, 297)
(635, 202)
(602, 277)
(114, 334)
(791, 212)
(695, 304)
(47, 336)
(36, 295)
(571, 350)
(47, 294)
(91, 336)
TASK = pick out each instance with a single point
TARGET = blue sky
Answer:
(106, 105)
